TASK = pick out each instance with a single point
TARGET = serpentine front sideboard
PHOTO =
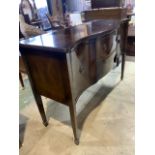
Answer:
(62, 64)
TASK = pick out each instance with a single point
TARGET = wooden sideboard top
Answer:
(65, 39)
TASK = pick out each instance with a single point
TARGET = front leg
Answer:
(35, 93)
(21, 80)
(123, 66)
(41, 108)
(72, 109)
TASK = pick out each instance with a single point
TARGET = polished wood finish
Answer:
(42, 70)
(34, 90)
(64, 40)
(22, 69)
(123, 43)
(21, 65)
(91, 60)
(62, 64)
(118, 13)
(21, 79)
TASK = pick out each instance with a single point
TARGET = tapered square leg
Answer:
(72, 110)
(41, 108)
(21, 80)
(123, 66)
(35, 93)
(20, 144)
(123, 44)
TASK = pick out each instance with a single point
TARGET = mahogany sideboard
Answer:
(117, 13)
(62, 64)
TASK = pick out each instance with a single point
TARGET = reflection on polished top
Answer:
(65, 39)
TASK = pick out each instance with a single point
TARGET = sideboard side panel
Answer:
(49, 75)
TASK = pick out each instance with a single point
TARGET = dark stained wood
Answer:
(40, 107)
(88, 62)
(34, 90)
(22, 69)
(118, 13)
(47, 83)
(106, 50)
(63, 40)
(21, 65)
(72, 109)
(21, 79)
(61, 65)
(123, 44)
